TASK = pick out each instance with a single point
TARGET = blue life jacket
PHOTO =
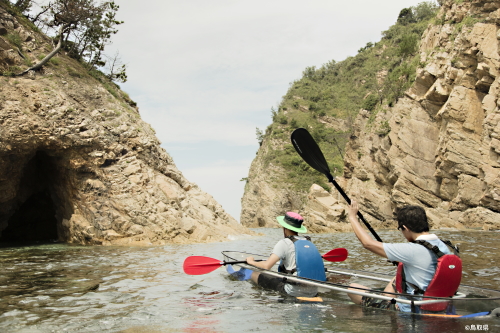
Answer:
(308, 260)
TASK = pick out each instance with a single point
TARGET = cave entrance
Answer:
(35, 220)
(33, 212)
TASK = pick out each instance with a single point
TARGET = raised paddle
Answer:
(198, 265)
(310, 152)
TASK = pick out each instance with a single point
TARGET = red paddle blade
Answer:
(197, 265)
(339, 254)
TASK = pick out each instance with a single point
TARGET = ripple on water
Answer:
(490, 271)
(118, 289)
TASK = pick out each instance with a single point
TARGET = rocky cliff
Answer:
(438, 146)
(443, 149)
(264, 197)
(268, 193)
(79, 165)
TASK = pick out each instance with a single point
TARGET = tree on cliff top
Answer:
(84, 28)
(23, 5)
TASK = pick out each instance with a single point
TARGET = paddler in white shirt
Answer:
(298, 256)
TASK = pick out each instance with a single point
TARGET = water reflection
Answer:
(58, 287)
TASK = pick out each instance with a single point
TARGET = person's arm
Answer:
(368, 243)
(268, 264)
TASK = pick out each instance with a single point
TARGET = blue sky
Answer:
(206, 73)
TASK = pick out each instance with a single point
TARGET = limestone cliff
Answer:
(79, 165)
(265, 197)
(269, 194)
(438, 146)
(443, 149)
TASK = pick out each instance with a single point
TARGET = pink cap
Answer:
(295, 216)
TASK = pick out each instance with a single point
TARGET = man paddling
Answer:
(419, 263)
(298, 256)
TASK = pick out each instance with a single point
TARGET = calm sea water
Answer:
(64, 288)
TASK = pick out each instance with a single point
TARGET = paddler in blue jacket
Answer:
(297, 255)
(419, 262)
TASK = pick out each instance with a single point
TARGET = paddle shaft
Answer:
(377, 237)
(236, 262)
(311, 153)
(197, 265)
(341, 191)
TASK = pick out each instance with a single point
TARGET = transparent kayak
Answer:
(469, 301)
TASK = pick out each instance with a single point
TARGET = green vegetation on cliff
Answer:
(28, 46)
(82, 28)
(326, 100)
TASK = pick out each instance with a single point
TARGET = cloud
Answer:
(222, 119)
(222, 180)
(205, 74)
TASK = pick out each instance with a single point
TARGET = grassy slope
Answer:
(61, 63)
(339, 90)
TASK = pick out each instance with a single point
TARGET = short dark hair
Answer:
(413, 218)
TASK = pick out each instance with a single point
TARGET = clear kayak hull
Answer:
(469, 302)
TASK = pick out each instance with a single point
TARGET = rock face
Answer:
(266, 195)
(79, 165)
(443, 148)
(324, 212)
(263, 200)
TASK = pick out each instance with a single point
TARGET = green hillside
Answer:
(373, 80)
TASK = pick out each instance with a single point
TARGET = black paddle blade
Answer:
(309, 150)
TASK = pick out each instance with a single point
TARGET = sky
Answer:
(205, 74)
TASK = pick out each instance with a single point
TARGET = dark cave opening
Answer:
(34, 220)
(33, 216)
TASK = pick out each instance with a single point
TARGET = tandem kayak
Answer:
(485, 301)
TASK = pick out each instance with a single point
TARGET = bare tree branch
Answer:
(40, 14)
(50, 55)
(84, 29)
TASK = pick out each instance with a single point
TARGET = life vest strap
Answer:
(294, 238)
(435, 249)
(281, 267)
